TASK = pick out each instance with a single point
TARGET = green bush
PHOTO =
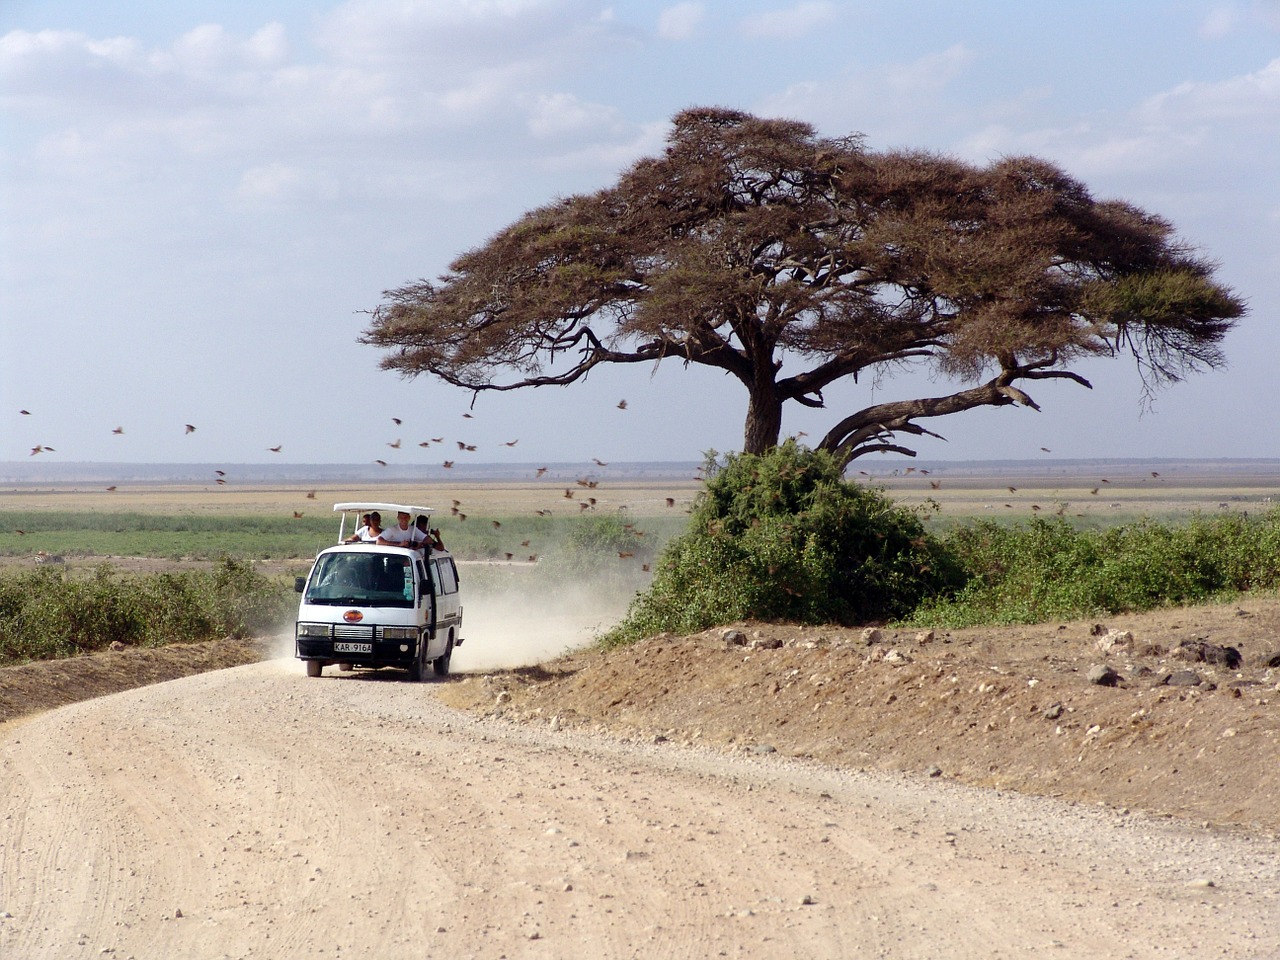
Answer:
(784, 537)
(1046, 570)
(49, 613)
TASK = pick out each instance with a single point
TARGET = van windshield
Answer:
(361, 579)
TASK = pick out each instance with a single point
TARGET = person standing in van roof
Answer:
(403, 534)
(432, 536)
(369, 530)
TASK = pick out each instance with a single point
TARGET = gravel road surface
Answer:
(254, 812)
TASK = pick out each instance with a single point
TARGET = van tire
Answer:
(418, 669)
(441, 663)
(314, 667)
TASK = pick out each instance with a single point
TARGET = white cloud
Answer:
(789, 24)
(614, 153)
(558, 114)
(280, 182)
(1252, 96)
(1220, 21)
(931, 72)
(901, 102)
(680, 22)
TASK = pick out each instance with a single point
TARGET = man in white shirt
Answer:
(403, 534)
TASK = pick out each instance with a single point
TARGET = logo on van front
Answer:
(353, 616)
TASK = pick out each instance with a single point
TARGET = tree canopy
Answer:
(792, 261)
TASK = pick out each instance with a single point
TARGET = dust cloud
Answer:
(519, 625)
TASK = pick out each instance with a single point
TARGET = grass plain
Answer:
(280, 521)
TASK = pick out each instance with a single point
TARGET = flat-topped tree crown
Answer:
(792, 261)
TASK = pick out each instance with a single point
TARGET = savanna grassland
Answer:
(1009, 706)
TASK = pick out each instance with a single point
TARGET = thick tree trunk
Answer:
(764, 420)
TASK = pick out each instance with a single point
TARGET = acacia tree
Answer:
(752, 241)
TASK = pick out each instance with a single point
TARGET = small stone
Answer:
(1203, 883)
(1114, 639)
(734, 638)
(807, 900)
(924, 636)
(934, 771)
(1053, 711)
(1101, 675)
(1184, 678)
(872, 635)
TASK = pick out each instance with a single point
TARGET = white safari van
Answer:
(370, 605)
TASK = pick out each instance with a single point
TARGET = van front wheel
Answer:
(314, 667)
(418, 669)
(441, 663)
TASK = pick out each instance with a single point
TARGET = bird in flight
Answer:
(190, 428)
(25, 413)
(381, 463)
(448, 464)
(297, 515)
(622, 404)
(671, 501)
(311, 495)
(598, 463)
(277, 448)
(541, 471)
(111, 488)
(511, 443)
(935, 484)
(396, 445)
(37, 449)
(118, 430)
(397, 421)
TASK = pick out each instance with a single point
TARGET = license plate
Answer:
(343, 647)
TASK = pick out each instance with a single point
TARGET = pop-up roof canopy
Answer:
(386, 509)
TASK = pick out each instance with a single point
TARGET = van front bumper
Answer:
(362, 645)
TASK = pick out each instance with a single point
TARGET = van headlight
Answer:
(399, 633)
(313, 629)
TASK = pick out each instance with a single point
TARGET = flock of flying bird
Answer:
(586, 503)
(587, 483)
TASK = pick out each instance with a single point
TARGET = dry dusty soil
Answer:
(779, 792)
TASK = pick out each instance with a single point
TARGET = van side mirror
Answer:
(299, 584)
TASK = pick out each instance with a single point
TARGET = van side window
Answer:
(446, 575)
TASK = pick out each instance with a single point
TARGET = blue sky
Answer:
(198, 200)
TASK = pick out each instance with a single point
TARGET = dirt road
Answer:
(255, 813)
